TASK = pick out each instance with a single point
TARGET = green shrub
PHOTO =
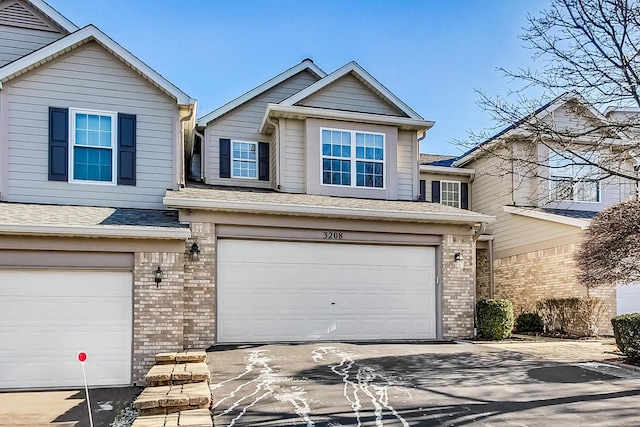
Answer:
(529, 322)
(626, 329)
(495, 318)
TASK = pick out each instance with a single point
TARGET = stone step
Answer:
(187, 356)
(179, 373)
(190, 418)
(173, 398)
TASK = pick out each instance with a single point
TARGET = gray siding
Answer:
(243, 123)
(18, 42)
(407, 156)
(90, 78)
(350, 94)
(295, 159)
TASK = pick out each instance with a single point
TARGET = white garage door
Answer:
(629, 298)
(47, 317)
(291, 291)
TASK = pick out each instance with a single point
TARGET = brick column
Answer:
(199, 288)
(458, 287)
(157, 310)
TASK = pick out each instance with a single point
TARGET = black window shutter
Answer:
(263, 161)
(422, 196)
(435, 191)
(126, 149)
(225, 158)
(58, 144)
(464, 195)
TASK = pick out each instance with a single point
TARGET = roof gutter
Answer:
(323, 211)
(106, 231)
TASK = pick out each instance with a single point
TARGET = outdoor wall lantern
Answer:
(457, 257)
(195, 252)
(158, 276)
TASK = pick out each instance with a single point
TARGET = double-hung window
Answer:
(450, 193)
(244, 159)
(93, 146)
(572, 180)
(352, 158)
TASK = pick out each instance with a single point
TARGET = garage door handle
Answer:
(333, 303)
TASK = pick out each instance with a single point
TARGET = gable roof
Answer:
(78, 38)
(53, 15)
(541, 112)
(580, 219)
(307, 64)
(362, 75)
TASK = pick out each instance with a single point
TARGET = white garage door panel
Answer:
(629, 298)
(49, 316)
(293, 291)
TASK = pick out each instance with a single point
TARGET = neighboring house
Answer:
(305, 224)
(90, 140)
(529, 250)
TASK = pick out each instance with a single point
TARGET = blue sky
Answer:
(431, 54)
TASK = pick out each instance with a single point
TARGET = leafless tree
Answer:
(590, 56)
(610, 251)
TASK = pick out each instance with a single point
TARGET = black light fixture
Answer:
(195, 252)
(457, 257)
(158, 276)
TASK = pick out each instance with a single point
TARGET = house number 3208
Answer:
(333, 235)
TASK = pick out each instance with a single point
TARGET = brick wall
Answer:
(157, 311)
(199, 288)
(458, 287)
(550, 273)
(483, 275)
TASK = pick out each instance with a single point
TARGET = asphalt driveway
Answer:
(414, 384)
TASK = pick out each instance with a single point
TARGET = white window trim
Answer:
(574, 180)
(257, 161)
(114, 145)
(459, 192)
(353, 159)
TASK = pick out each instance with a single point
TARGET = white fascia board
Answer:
(546, 216)
(364, 75)
(307, 64)
(485, 238)
(446, 170)
(90, 32)
(54, 15)
(278, 110)
(324, 211)
(106, 231)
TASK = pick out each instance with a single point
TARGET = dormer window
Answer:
(352, 159)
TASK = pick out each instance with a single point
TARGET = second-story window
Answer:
(244, 160)
(450, 193)
(93, 154)
(572, 179)
(352, 158)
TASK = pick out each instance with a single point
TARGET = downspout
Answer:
(183, 166)
(481, 230)
(469, 204)
(424, 135)
(202, 155)
(277, 131)
(490, 256)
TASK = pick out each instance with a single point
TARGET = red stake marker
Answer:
(82, 357)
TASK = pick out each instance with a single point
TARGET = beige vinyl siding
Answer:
(17, 42)
(525, 182)
(429, 177)
(517, 233)
(350, 94)
(295, 159)
(243, 123)
(406, 159)
(491, 188)
(88, 78)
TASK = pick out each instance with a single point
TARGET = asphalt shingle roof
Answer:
(35, 214)
(569, 213)
(437, 159)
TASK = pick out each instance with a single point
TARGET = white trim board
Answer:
(80, 37)
(141, 232)
(306, 64)
(546, 216)
(447, 170)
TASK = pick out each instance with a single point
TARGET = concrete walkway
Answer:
(562, 350)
